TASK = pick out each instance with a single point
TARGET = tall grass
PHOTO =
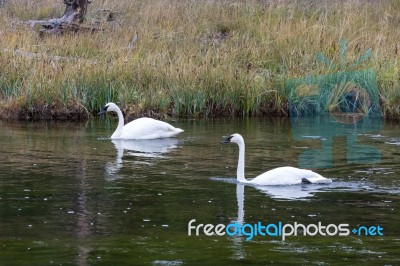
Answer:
(191, 58)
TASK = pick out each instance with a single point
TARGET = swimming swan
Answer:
(279, 176)
(141, 128)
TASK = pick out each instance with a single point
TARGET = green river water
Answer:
(71, 196)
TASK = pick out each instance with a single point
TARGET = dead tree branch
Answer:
(71, 20)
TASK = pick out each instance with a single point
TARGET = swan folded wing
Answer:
(148, 128)
(288, 176)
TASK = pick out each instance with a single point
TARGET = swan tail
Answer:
(316, 180)
(175, 132)
(178, 130)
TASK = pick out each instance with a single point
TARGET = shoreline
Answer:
(81, 114)
(78, 113)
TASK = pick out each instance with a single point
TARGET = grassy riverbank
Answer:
(191, 58)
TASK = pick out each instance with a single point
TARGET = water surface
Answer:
(71, 196)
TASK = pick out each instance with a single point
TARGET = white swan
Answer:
(141, 128)
(279, 176)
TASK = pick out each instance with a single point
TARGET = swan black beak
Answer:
(104, 110)
(226, 139)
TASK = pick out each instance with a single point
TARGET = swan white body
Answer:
(286, 175)
(141, 128)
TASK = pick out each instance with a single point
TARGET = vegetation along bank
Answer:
(186, 58)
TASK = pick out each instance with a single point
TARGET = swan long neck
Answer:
(240, 168)
(118, 131)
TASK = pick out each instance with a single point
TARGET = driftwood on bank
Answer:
(71, 20)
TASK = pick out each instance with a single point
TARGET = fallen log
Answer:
(71, 20)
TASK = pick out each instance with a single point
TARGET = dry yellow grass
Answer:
(191, 57)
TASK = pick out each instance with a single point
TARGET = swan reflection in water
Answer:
(155, 148)
(283, 192)
(293, 192)
(278, 192)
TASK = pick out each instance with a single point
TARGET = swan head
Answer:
(234, 138)
(109, 107)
